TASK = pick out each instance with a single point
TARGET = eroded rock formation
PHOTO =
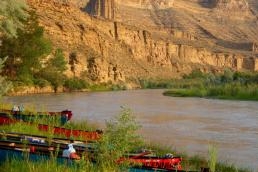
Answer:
(103, 8)
(147, 3)
(233, 8)
(111, 51)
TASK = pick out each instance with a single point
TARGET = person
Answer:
(70, 152)
(15, 109)
(21, 108)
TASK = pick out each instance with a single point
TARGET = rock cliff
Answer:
(110, 49)
(103, 8)
(233, 8)
(162, 4)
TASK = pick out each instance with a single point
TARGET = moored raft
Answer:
(147, 161)
(11, 116)
(71, 133)
(39, 147)
(66, 151)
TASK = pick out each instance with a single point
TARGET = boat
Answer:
(15, 145)
(67, 151)
(145, 169)
(10, 116)
(34, 152)
(72, 133)
(6, 119)
(145, 160)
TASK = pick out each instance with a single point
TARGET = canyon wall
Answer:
(103, 8)
(109, 51)
(161, 4)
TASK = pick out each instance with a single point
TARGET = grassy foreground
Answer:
(120, 137)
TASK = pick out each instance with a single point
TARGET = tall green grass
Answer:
(212, 158)
(232, 91)
(229, 85)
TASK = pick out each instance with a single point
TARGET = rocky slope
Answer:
(121, 41)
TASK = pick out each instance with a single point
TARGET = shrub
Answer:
(118, 139)
(75, 84)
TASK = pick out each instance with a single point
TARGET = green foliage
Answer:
(53, 71)
(106, 87)
(25, 52)
(51, 165)
(4, 85)
(154, 84)
(12, 15)
(119, 138)
(229, 85)
(54, 78)
(75, 84)
(227, 76)
(212, 158)
(224, 167)
(58, 63)
(41, 82)
(195, 74)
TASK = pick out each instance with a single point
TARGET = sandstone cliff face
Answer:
(231, 4)
(149, 4)
(234, 8)
(108, 8)
(111, 51)
(103, 8)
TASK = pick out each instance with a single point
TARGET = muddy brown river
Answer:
(187, 124)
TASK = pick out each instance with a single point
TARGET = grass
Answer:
(226, 91)
(212, 158)
(227, 85)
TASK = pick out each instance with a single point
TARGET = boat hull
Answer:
(9, 117)
(7, 154)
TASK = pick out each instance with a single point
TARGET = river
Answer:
(187, 124)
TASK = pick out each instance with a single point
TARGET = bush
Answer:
(41, 82)
(75, 84)
(118, 139)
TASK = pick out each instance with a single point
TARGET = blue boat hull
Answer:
(7, 154)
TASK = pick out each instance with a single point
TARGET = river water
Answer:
(187, 124)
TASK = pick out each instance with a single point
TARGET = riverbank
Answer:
(228, 85)
(124, 139)
(30, 90)
(226, 91)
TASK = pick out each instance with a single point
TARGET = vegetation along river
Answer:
(188, 124)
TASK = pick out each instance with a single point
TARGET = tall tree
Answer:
(54, 70)
(26, 51)
(4, 85)
(12, 15)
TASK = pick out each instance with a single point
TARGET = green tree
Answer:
(26, 51)
(53, 72)
(58, 63)
(12, 15)
(4, 85)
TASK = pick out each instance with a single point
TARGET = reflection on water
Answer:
(189, 124)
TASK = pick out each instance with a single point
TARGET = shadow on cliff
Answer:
(243, 46)
(207, 3)
(90, 7)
